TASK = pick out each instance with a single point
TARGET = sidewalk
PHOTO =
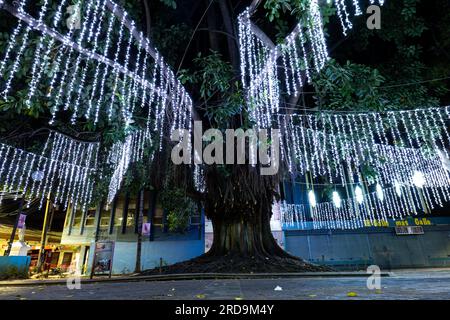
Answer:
(399, 285)
(192, 276)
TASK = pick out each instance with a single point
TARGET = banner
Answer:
(21, 221)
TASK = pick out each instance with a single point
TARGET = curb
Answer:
(192, 276)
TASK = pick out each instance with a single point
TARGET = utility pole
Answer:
(139, 221)
(41, 255)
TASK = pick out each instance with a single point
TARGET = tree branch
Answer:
(148, 18)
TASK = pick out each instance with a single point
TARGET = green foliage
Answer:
(274, 8)
(170, 40)
(170, 3)
(349, 87)
(297, 8)
(179, 208)
(214, 74)
(220, 91)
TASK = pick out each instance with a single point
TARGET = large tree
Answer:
(201, 43)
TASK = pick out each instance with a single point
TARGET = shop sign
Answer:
(103, 257)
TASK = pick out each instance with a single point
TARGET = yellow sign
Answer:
(376, 223)
(417, 222)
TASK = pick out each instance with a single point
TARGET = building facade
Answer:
(418, 241)
(116, 229)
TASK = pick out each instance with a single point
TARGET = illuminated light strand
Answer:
(261, 79)
(123, 154)
(135, 80)
(62, 80)
(105, 72)
(400, 163)
(371, 211)
(12, 41)
(84, 71)
(50, 166)
(35, 75)
(85, 29)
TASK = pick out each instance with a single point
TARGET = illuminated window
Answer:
(105, 216)
(131, 212)
(90, 218)
(77, 219)
(120, 205)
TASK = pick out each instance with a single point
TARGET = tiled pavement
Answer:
(417, 284)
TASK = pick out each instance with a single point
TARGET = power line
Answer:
(193, 34)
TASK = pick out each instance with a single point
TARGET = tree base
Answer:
(238, 264)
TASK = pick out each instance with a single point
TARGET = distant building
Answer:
(418, 241)
(33, 221)
(115, 231)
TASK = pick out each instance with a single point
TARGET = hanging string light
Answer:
(65, 167)
(380, 193)
(398, 188)
(123, 154)
(410, 176)
(337, 199)
(359, 196)
(418, 179)
(312, 198)
(259, 70)
(80, 54)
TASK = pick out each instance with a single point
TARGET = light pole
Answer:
(43, 236)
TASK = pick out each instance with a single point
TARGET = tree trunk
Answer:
(240, 208)
(248, 237)
(239, 204)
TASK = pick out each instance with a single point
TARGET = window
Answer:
(158, 218)
(131, 212)
(77, 218)
(120, 206)
(105, 216)
(68, 217)
(90, 218)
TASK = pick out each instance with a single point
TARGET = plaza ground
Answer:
(401, 284)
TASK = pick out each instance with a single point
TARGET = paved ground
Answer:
(417, 284)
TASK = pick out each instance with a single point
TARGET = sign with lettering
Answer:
(146, 229)
(103, 257)
(408, 230)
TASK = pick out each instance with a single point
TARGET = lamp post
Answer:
(43, 236)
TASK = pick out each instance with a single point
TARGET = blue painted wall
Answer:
(22, 263)
(171, 247)
(355, 250)
(170, 251)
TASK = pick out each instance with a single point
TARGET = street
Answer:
(412, 284)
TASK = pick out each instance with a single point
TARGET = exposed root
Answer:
(238, 264)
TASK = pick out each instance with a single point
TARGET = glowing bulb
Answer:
(380, 193)
(398, 188)
(337, 199)
(312, 198)
(359, 195)
(37, 175)
(418, 179)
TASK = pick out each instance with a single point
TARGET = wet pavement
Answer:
(401, 284)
